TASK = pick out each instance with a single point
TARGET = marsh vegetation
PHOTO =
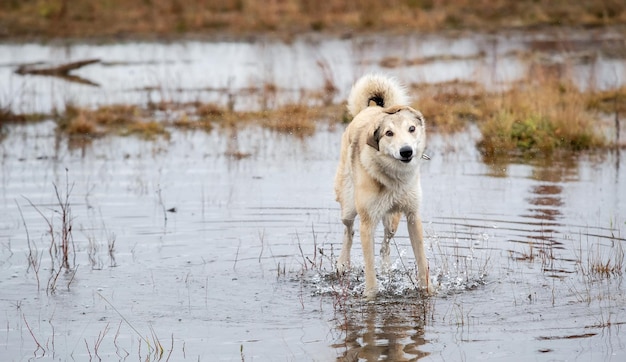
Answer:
(171, 18)
(538, 115)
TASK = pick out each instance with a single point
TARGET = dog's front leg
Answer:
(367, 243)
(344, 258)
(416, 234)
(390, 221)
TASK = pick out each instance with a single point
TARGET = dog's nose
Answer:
(406, 152)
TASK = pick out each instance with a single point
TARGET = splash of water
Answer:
(398, 281)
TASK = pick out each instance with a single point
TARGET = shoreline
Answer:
(231, 37)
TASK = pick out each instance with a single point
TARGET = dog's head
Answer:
(399, 133)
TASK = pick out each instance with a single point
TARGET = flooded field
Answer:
(221, 245)
(179, 246)
(240, 72)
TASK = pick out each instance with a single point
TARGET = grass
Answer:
(81, 123)
(538, 117)
(78, 122)
(168, 18)
(610, 102)
(449, 106)
(295, 119)
(62, 249)
(601, 261)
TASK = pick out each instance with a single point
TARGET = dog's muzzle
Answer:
(406, 153)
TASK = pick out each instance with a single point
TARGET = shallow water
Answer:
(183, 249)
(239, 72)
(242, 268)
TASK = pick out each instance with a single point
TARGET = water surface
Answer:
(244, 264)
(221, 245)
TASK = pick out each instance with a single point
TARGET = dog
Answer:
(378, 176)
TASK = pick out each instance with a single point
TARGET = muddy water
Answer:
(240, 267)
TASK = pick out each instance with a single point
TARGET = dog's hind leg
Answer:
(390, 221)
(343, 263)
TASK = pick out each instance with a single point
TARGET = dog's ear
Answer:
(420, 117)
(374, 138)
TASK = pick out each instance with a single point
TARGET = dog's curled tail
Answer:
(384, 91)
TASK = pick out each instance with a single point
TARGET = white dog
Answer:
(378, 176)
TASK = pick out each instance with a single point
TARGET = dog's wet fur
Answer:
(378, 177)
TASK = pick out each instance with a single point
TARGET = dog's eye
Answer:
(389, 134)
(412, 129)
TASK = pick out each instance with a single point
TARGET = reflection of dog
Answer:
(378, 176)
(394, 333)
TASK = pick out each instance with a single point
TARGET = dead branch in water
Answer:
(62, 71)
(59, 71)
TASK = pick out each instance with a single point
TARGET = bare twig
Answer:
(126, 320)
(39, 346)
(617, 122)
(171, 349)
(406, 270)
(111, 238)
(262, 238)
(304, 259)
(52, 282)
(72, 278)
(99, 340)
(50, 229)
(66, 221)
(32, 256)
(117, 347)
(158, 347)
(237, 256)
(88, 350)
(163, 207)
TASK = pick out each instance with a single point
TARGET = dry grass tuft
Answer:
(295, 119)
(609, 102)
(81, 126)
(539, 115)
(8, 116)
(78, 122)
(85, 124)
(186, 122)
(602, 261)
(449, 106)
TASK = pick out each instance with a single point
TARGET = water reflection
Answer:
(385, 331)
(546, 199)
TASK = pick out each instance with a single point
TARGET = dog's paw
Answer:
(385, 265)
(343, 266)
(427, 289)
(370, 294)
